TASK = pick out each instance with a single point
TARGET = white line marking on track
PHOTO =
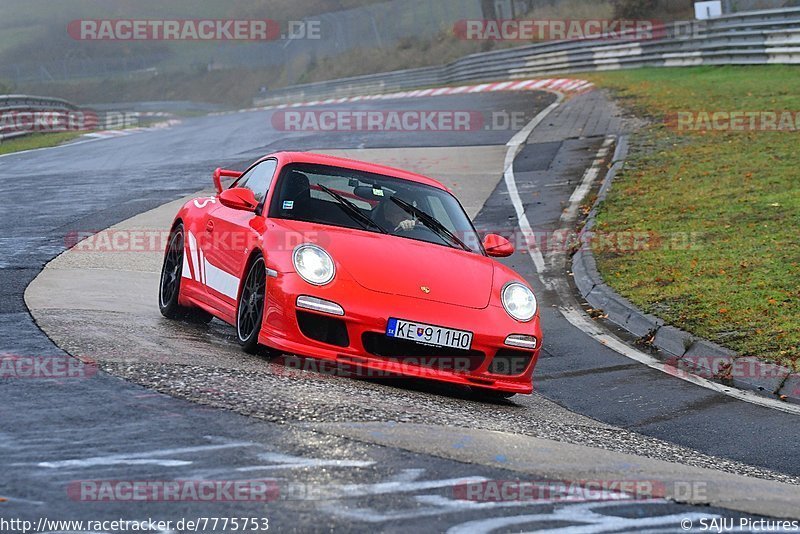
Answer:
(140, 457)
(89, 138)
(407, 475)
(435, 505)
(593, 522)
(382, 488)
(589, 177)
(23, 501)
(514, 146)
(284, 461)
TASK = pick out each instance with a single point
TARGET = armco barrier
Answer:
(758, 37)
(24, 103)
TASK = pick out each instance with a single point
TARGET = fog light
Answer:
(522, 341)
(320, 305)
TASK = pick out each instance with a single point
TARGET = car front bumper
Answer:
(366, 314)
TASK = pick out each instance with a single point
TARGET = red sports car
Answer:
(361, 264)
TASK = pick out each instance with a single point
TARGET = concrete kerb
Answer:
(687, 352)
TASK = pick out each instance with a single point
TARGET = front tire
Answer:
(492, 394)
(170, 287)
(250, 311)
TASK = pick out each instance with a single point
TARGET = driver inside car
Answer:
(392, 216)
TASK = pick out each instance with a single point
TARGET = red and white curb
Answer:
(561, 85)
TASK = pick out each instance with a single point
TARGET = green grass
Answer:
(738, 283)
(38, 140)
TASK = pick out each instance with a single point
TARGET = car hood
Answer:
(402, 266)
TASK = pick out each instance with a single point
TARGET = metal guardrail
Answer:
(758, 37)
(14, 107)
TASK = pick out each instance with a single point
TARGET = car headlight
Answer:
(519, 301)
(313, 264)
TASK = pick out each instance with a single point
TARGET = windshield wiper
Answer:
(352, 210)
(432, 223)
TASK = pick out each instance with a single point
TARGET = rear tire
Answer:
(170, 287)
(250, 310)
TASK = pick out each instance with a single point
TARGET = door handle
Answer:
(210, 226)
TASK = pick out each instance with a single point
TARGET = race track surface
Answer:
(306, 429)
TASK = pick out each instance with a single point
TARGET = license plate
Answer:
(428, 334)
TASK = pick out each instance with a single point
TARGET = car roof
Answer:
(335, 161)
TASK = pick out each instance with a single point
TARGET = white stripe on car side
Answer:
(207, 273)
(202, 266)
(189, 260)
(195, 256)
(220, 281)
(185, 272)
(203, 263)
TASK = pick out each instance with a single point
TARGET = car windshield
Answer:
(371, 202)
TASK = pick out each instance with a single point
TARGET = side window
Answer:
(259, 178)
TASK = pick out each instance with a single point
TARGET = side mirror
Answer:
(497, 246)
(239, 198)
(219, 173)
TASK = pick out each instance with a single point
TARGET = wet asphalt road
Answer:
(118, 430)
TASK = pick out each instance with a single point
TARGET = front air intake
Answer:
(510, 362)
(324, 329)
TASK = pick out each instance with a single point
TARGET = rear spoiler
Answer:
(219, 173)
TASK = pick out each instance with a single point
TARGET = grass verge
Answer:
(726, 204)
(37, 140)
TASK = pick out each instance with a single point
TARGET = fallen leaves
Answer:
(595, 313)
